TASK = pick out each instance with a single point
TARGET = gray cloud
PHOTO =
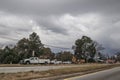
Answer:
(11, 25)
(47, 7)
(48, 24)
(62, 22)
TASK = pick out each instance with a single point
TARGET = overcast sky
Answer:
(61, 22)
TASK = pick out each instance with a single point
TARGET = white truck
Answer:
(55, 62)
(36, 60)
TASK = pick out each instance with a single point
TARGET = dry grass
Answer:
(34, 74)
(14, 65)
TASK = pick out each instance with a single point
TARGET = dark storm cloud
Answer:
(54, 28)
(46, 7)
(55, 7)
(48, 24)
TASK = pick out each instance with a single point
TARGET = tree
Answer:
(118, 56)
(8, 56)
(85, 48)
(25, 47)
(1, 56)
(47, 53)
(22, 48)
(35, 44)
(91, 49)
(82, 46)
(64, 56)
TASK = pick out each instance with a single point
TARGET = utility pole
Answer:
(33, 53)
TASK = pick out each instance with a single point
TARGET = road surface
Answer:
(111, 74)
(25, 69)
(34, 68)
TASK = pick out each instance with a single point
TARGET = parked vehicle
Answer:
(97, 59)
(110, 61)
(67, 62)
(56, 62)
(21, 61)
(36, 60)
(100, 61)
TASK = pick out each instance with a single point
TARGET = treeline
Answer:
(84, 48)
(28, 47)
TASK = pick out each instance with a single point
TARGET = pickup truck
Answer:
(36, 60)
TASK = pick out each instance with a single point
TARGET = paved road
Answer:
(112, 74)
(25, 69)
(34, 68)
